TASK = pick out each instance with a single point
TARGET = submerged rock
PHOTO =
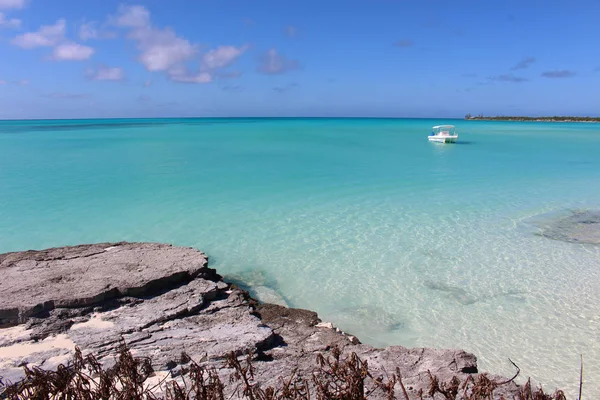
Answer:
(370, 320)
(164, 301)
(457, 293)
(465, 298)
(259, 285)
(580, 226)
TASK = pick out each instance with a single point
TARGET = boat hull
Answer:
(443, 139)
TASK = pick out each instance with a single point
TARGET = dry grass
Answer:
(334, 377)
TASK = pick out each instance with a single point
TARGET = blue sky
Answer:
(404, 58)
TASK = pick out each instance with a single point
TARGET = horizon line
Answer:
(221, 117)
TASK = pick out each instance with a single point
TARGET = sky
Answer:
(352, 58)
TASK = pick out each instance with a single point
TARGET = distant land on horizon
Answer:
(555, 118)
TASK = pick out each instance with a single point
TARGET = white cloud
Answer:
(184, 76)
(222, 56)
(88, 31)
(72, 52)
(212, 61)
(274, 63)
(200, 77)
(2, 82)
(9, 23)
(46, 36)
(23, 82)
(132, 16)
(228, 74)
(54, 36)
(104, 73)
(4, 4)
(161, 49)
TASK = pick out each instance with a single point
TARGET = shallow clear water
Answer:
(392, 238)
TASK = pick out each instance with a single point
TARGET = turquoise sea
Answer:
(392, 238)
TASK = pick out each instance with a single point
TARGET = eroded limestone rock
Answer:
(163, 301)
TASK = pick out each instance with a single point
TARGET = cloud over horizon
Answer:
(7, 4)
(222, 56)
(54, 36)
(273, 63)
(508, 78)
(523, 64)
(162, 50)
(89, 31)
(9, 23)
(564, 73)
(105, 73)
(45, 36)
(72, 52)
(165, 49)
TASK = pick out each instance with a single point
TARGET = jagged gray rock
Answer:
(163, 301)
(86, 275)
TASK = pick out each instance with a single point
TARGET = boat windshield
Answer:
(443, 130)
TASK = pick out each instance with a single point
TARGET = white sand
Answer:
(94, 323)
(14, 334)
(28, 348)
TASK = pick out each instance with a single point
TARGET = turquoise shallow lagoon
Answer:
(390, 237)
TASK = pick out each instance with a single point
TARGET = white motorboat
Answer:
(443, 134)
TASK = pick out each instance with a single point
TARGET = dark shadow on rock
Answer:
(262, 356)
(275, 340)
(470, 369)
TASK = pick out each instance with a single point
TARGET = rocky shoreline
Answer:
(165, 300)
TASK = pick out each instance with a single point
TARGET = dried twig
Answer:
(514, 377)
(333, 378)
(399, 375)
(580, 377)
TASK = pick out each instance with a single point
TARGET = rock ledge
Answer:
(164, 300)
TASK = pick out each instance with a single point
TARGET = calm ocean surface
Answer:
(390, 237)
